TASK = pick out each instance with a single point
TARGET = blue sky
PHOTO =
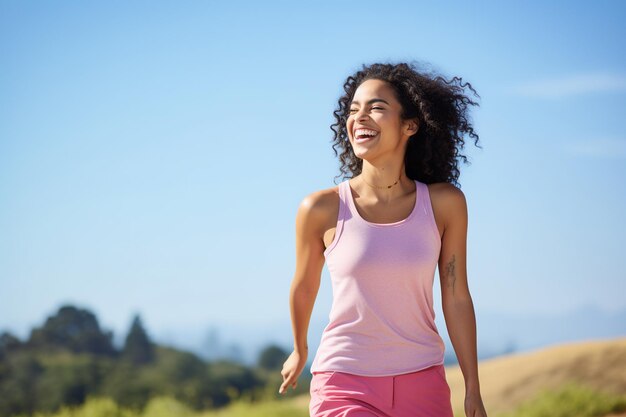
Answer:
(153, 154)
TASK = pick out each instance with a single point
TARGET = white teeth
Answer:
(362, 132)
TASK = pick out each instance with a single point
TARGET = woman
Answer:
(382, 233)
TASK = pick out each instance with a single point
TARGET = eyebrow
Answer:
(374, 100)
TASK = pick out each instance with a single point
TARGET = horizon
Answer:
(214, 343)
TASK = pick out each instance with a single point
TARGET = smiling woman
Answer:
(439, 107)
(383, 232)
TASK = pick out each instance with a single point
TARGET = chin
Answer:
(361, 154)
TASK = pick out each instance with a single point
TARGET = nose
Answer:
(360, 115)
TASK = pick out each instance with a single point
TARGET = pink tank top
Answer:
(382, 320)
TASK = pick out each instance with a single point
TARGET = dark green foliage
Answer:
(272, 358)
(232, 379)
(74, 329)
(69, 359)
(181, 375)
(20, 373)
(138, 348)
(8, 343)
(125, 385)
(68, 379)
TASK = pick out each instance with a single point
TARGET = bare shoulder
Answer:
(448, 201)
(319, 209)
(446, 193)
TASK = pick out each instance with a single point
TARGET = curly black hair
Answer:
(442, 109)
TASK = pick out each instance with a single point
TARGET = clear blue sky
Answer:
(153, 154)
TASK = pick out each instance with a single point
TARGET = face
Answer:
(375, 109)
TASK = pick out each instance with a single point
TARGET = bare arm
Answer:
(305, 284)
(309, 264)
(457, 302)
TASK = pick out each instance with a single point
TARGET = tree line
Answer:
(70, 357)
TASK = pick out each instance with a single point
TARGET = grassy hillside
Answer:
(508, 381)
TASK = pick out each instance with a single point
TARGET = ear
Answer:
(412, 126)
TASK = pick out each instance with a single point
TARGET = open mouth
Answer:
(364, 135)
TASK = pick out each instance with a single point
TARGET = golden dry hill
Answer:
(507, 381)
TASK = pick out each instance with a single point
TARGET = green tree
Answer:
(8, 343)
(18, 384)
(138, 348)
(272, 357)
(73, 329)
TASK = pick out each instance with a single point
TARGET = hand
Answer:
(292, 368)
(474, 405)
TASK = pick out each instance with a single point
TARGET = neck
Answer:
(382, 175)
(375, 180)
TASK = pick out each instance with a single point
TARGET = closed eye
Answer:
(375, 107)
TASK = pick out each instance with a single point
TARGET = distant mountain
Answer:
(498, 333)
(502, 332)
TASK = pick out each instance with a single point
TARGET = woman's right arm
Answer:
(309, 264)
(310, 219)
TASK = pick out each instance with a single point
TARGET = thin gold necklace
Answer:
(379, 187)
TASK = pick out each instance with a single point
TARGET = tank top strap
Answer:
(427, 208)
(422, 196)
(347, 209)
(344, 205)
(344, 209)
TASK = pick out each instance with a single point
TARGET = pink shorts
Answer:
(423, 393)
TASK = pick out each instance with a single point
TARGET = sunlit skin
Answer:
(383, 164)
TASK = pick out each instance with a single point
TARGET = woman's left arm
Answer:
(458, 308)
